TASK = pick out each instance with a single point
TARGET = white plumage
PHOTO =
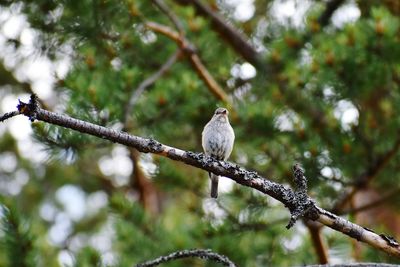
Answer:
(217, 141)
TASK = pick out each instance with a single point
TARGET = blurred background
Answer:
(315, 82)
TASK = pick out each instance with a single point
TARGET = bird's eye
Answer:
(221, 111)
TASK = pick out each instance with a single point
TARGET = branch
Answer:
(232, 35)
(8, 115)
(238, 41)
(190, 51)
(171, 15)
(198, 253)
(298, 203)
(304, 203)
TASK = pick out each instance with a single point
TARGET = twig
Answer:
(298, 203)
(236, 39)
(300, 179)
(167, 11)
(239, 42)
(192, 253)
(8, 115)
(170, 33)
(190, 51)
(303, 202)
(148, 82)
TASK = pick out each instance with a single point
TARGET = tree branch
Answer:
(195, 60)
(236, 39)
(188, 47)
(303, 203)
(192, 253)
(171, 15)
(298, 203)
(8, 115)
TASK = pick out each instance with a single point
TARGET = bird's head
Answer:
(221, 114)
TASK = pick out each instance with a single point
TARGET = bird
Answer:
(217, 141)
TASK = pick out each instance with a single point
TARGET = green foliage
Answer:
(17, 241)
(88, 257)
(327, 98)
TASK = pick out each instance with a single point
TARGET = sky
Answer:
(42, 73)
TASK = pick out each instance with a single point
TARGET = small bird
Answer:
(217, 141)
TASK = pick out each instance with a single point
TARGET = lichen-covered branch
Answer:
(380, 241)
(303, 202)
(298, 203)
(8, 115)
(192, 253)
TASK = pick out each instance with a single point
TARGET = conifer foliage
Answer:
(309, 82)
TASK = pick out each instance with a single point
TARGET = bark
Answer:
(193, 253)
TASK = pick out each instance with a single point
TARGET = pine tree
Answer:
(318, 92)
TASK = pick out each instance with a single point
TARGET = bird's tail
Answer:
(214, 185)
